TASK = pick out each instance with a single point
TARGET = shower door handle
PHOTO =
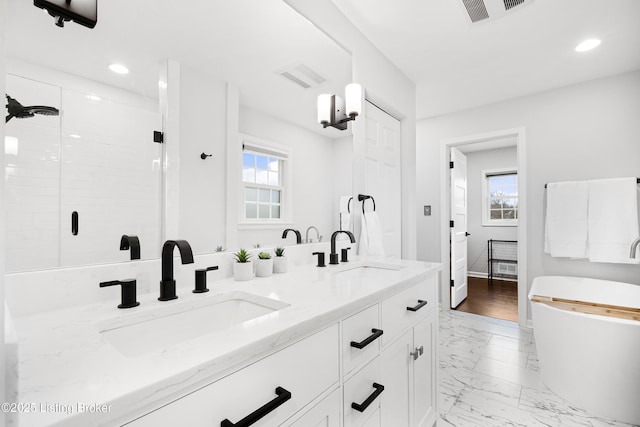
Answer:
(74, 223)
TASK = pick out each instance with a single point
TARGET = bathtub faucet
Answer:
(634, 247)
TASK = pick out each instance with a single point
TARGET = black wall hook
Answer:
(204, 156)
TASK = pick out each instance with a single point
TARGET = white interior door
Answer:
(458, 227)
(382, 174)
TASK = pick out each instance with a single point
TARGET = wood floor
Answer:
(499, 300)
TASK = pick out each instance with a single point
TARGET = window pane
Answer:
(251, 210)
(509, 214)
(261, 177)
(263, 211)
(509, 203)
(273, 178)
(273, 164)
(264, 195)
(249, 175)
(496, 214)
(275, 211)
(510, 190)
(251, 194)
(248, 160)
(495, 203)
(261, 162)
(275, 196)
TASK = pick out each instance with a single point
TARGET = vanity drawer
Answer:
(361, 335)
(400, 311)
(363, 389)
(304, 369)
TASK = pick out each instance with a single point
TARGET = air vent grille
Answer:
(476, 9)
(508, 4)
(302, 75)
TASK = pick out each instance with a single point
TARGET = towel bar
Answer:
(637, 181)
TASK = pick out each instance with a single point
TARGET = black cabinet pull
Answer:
(419, 306)
(361, 407)
(283, 396)
(74, 223)
(371, 338)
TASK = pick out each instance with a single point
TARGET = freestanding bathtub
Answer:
(592, 361)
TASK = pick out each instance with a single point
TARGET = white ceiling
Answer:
(457, 65)
(241, 41)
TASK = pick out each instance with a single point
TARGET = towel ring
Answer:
(362, 198)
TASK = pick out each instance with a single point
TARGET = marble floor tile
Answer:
(489, 376)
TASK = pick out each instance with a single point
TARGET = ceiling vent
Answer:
(488, 10)
(302, 75)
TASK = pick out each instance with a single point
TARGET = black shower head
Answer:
(19, 111)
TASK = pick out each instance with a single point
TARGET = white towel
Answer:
(371, 235)
(345, 215)
(566, 219)
(613, 219)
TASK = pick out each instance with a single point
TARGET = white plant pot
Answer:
(264, 267)
(279, 265)
(242, 271)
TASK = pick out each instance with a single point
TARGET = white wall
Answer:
(202, 182)
(387, 87)
(477, 162)
(314, 171)
(583, 131)
(2, 211)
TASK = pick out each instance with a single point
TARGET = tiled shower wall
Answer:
(97, 158)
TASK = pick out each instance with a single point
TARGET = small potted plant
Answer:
(279, 262)
(242, 268)
(264, 265)
(219, 249)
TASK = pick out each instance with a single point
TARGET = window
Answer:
(263, 183)
(500, 197)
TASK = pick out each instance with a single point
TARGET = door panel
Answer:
(459, 229)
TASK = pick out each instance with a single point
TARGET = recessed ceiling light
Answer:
(588, 45)
(119, 68)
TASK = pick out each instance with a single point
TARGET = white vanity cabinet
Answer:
(405, 365)
(373, 368)
(304, 370)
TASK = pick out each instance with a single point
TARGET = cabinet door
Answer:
(424, 375)
(397, 378)
(325, 414)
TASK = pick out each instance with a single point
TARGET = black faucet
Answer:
(298, 235)
(127, 292)
(132, 242)
(333, 256)
(167, 284)
(201, 279)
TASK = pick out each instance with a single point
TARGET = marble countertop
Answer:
(69, 374)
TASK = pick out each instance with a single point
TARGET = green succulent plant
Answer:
(279, 251)
(219, 249)
(242, 256)
(264, 255)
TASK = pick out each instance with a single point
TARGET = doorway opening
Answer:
(485, 222)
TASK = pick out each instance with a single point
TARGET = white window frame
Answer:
(486, 219)
(267, 148)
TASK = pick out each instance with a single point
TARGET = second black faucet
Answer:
(168, 284)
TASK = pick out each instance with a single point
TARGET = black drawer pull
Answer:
(283, 396)
(361, 407)
(371, 338)
(421, 304)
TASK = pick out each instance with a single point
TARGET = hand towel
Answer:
(613, 219)
(566, 219)
(371, 235)
(345, 215)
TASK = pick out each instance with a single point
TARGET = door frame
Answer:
(445, 212)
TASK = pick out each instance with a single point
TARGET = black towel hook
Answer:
(363, 197)
(204, 156)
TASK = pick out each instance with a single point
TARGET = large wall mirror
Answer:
(79, 179)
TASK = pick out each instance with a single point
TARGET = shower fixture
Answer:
(19, 111)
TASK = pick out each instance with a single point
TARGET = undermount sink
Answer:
(150, 331)
(367, 271)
